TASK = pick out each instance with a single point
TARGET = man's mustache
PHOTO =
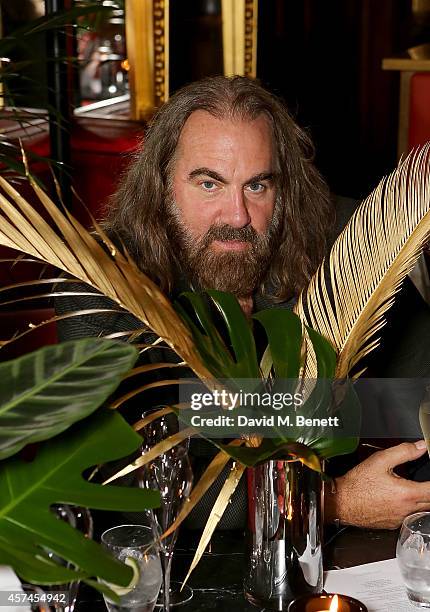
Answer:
(226, 232)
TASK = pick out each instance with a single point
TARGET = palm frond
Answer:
(33, 326)
(152, 385)
(349, 295)
(74, 250)
(206, 480)
(155, 451)
(141, 423)
(152, 366)
(217, 511)
(33, 283)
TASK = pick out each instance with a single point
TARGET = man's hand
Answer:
(372, 495)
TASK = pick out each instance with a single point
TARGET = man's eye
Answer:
(208, 185)
(256, 187)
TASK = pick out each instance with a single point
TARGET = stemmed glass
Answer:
(172, 475)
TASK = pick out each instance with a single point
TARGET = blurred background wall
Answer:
(325, 60)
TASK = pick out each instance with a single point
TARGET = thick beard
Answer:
(238, 272)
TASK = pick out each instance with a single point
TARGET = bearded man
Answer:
(223, 194)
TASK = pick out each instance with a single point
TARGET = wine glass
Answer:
(171, 474)
(135, 546)
(413, 556)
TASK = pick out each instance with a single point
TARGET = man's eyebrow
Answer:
(262, 176)
(206, 172)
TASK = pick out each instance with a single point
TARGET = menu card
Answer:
(379, 586)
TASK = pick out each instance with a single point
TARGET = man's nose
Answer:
(235, 212)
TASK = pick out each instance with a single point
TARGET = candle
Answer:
(326, 603)
(334, 606)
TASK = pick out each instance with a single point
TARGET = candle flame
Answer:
(334, 606)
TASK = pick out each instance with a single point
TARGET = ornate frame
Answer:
(147, 35)
(239, 29)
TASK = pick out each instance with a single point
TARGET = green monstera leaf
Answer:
(233, 358)
(43, 393)
(284, 333)
(239, 360)
(29, 530)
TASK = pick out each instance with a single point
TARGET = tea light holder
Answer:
(326, 603)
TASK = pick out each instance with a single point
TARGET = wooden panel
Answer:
(404, 114)
(406, 63)
(419, 109)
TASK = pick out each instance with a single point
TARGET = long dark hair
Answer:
(137, 211)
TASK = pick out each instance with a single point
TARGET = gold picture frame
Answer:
(147, 35)
(239, 30)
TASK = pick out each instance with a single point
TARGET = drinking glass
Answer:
(413, 556)
(135, 544)
(171, 474)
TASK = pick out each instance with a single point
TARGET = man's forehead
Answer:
(205, 135)
(200, 118)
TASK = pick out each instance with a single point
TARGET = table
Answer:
(217, 580)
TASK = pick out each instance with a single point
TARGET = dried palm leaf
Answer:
(152, 366)
(154, 452)
(79, 254)
(152, 385)
(54, 319)
(157, 414)
(130, 335)
(217, 511)
(43, 296)
(206, 480)
(37, 282)
(32, 283)
(20, 259)
(368, 263)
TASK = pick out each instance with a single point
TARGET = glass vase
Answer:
(285, 532)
